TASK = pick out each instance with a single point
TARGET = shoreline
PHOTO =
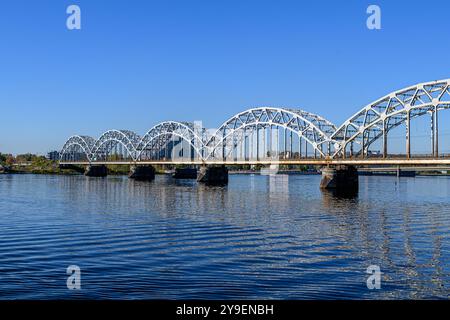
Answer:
(281, 172)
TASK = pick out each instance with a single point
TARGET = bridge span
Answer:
(434, 163)
(279, 136)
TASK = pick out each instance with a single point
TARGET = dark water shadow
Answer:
(331, 197)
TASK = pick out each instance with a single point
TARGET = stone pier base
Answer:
(185, 173)
(213, 175)
(78, 169)
(96, 171)
(340, 178)
(404, 173)
(142, 173)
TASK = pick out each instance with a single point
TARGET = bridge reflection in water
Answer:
(320, 245)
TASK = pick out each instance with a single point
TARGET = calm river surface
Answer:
(271, 237)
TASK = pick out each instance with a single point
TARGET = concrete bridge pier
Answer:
(142, 173)
(185, 173)
(213, 175)
(342, 178)
(78, 169)
(405, 173)
(96, 171)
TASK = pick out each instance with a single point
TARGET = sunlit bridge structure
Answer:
(277, 136)
(273, 133)
(259, 134)
(377, 119)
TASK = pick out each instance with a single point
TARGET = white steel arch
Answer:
(108, 140)
(77, 142)
(160, 134)
(378, 118)
(314, 129)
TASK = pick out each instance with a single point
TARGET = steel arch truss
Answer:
(115, 138)
(77, 148)
(378, 118)
(158, 138)
(360, 131)
(314, 129)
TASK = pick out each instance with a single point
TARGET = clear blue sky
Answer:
(135, 63)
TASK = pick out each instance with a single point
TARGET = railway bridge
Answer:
(275, 136)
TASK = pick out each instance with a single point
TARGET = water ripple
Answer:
(259, 237)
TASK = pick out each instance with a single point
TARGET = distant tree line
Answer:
(9, 159)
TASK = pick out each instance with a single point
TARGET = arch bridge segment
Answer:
(159, 136)
(77, 146)
(375, 120)
(112, 138)
(314, 129)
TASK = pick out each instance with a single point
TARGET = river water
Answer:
(269, 237)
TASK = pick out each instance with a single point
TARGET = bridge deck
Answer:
(318, 162)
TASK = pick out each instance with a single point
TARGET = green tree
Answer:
(9, 160)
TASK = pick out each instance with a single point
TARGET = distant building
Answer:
(53, 155)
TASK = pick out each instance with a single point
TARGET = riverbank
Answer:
(49, 167)
(52, 170)
(32, 164)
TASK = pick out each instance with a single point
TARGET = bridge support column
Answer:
(213, 175)
(408, 135)
(363, 145)
(185, 173)
(340, 178)
(96, 171)
(436, 134)
(384, 140)
(432, 132)
(404, 173)
(142, 173)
